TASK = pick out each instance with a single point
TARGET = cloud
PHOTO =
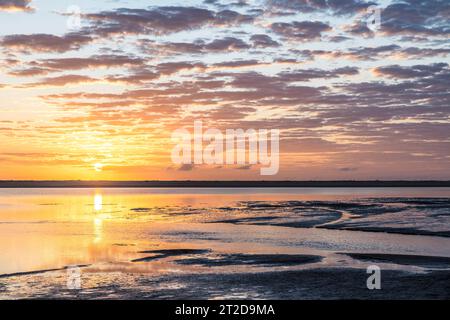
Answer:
(44, 42)
(409, 72)
(124, 21)
(160, 20)
(15, 5)
(169, 68)
(226, 44)
(46, 66)
(338, 7)
(410, 18)
(373, 53)
(263, 41)
(30, 72)
(63, 81)
(301, 31)
(245, 167)
(150, 73)
(186, 167)
(135, 78)
(348, 169)
(230, 113)
(415, 17)
(308, 74)
(417, 53)
(359, 28)
(97, 61)
(237, 3)
(237, 64)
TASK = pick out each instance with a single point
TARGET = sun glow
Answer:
(98, 167)
(98, 202)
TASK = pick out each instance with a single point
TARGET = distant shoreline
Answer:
(223, 184)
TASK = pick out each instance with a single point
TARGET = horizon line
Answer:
(220, 183)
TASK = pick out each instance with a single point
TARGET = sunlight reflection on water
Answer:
(53, 228)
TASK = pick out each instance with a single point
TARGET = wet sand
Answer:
(330, 283)
(420, 261)
(134, 245)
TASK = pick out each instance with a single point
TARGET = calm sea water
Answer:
(53, 228)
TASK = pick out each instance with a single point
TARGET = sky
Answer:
(97, 95)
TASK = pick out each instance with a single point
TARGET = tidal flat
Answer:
(223, 243)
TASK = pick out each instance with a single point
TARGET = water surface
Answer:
(142, 231)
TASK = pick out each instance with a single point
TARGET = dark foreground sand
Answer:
(214, 283)
(303, 284)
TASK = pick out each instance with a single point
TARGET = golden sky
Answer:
(100, 99)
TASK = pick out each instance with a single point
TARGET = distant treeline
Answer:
(223, 184)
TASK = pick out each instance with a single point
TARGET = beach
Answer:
(224, 243)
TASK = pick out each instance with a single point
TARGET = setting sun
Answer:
(98, 167)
